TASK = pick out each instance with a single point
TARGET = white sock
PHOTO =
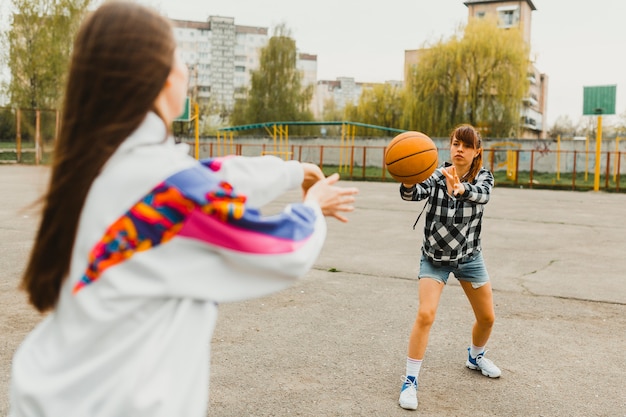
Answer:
(476, 350)
(413, 367)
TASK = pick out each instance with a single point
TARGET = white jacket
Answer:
(162, 239)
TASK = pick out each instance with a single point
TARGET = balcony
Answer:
(530, 101)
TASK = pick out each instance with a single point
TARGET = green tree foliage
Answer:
(380, 105)
(7, 124)
(276, 92)
(37, 49)
(477, 77)
(332, 113)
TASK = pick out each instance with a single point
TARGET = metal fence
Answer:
(27, 136)
(531, 168)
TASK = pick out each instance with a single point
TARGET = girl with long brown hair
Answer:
(139, 242)
(456, 194)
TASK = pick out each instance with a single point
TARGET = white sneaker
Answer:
(483, 364)
(408, 395)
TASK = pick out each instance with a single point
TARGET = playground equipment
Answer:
(279, 131)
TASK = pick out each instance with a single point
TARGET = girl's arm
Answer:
(417, 192)
(479, 191)
(194, 236)
(261, 179)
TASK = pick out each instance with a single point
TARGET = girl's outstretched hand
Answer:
(455, 187)
(312, 174)
(333, 200)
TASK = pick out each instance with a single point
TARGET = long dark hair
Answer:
(470, 138)
(123, 53)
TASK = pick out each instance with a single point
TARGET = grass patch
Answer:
(564, 181)
(540, 180)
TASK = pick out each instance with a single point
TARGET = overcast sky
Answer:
(576, 42)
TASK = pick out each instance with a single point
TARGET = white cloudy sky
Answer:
(576, 42)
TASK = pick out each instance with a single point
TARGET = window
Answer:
(508, 16)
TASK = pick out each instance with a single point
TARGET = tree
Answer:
(7, 124)
(563, 126)
(38, 46)
(477, 77)
(332, 113)
(380, 105)
(276, 92)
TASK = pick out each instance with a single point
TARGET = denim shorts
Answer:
(473, 271)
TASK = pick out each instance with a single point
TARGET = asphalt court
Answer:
(335, 343)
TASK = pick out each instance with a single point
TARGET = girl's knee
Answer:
(425, 317)
(486, 321)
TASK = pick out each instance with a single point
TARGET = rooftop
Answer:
(468, 2)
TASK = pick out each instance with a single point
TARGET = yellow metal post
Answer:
(274, 135)
(38, 153)
(586, 158)
(344, 134)
(197, 128)
(280, 136)
(282, 141)
(286, 144)
(352, 147)
(596, 178)
(511, 164)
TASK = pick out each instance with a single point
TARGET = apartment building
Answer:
(221, 56)
(510, 14)
(341, 91)
(307, 65)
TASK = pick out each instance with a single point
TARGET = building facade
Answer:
(307, 65)
(341, 91)
(221, 56)
(510, 14)
(519, 14)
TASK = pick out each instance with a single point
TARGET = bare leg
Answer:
(481, 300)
(429, 294)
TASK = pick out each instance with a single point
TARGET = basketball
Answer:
(411, 157)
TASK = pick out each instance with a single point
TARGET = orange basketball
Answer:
(411, 157)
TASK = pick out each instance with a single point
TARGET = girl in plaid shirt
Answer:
(457, 194)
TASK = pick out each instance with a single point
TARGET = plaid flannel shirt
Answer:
(453, 223)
